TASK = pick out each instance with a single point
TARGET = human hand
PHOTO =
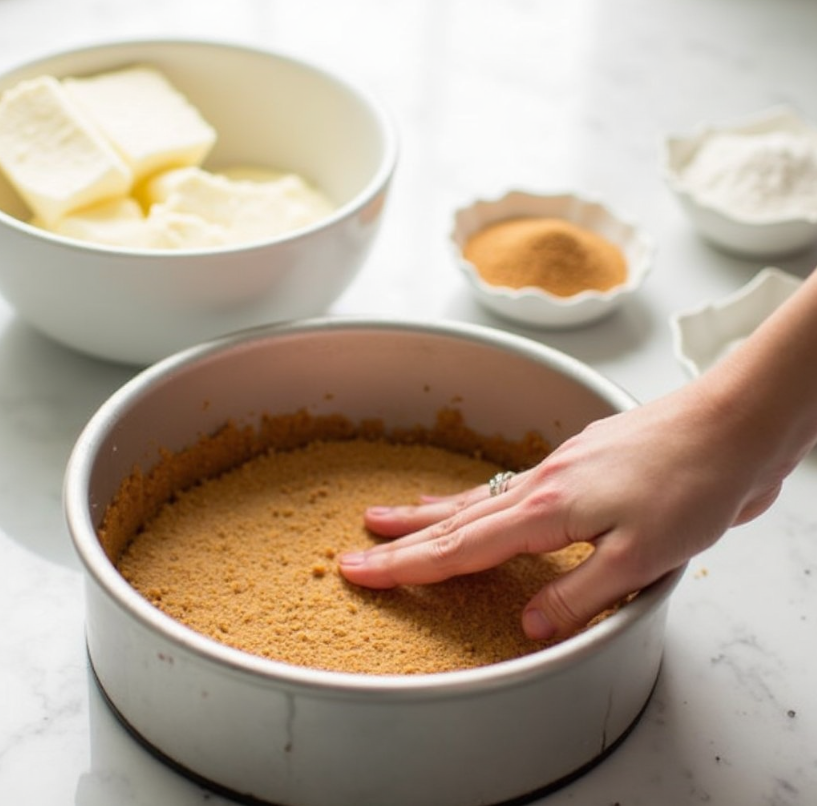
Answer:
(649, 488)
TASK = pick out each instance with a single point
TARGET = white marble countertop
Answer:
(488, 95)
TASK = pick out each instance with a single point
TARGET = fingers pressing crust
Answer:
(403, 520)
(457, 545)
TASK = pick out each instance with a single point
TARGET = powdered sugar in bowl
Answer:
(750, 187)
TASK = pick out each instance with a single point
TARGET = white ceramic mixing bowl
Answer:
(268, 110)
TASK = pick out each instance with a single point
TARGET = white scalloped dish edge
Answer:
(535, 306)
(704, 335)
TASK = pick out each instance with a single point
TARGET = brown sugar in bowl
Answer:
(259, 729)
(550, 261)
(547, 253)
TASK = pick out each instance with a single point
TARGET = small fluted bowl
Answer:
(704, 335)
(756, 235)
(537, 307)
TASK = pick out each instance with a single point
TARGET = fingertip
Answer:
(378, 511)
(358, 568)
(536, 625)
(376, 516)
(352, 559)
(386, 521)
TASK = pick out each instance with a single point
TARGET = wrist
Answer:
(762, 405)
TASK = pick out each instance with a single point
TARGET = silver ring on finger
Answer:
(499, 483)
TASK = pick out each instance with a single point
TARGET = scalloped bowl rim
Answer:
(635, 274)
(532, 292)
(722, 307)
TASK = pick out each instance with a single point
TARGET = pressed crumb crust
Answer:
(248, 558)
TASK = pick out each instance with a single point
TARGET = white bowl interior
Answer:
(137, 306)
(267, 110)
(335, 368)
(680, 149)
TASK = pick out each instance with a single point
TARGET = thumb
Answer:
(568, 603)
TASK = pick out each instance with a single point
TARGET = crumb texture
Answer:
(248, 557)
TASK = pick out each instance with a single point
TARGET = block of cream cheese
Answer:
(172, 230)
(147, 120)
(122, 223)
(52, 155)
(118, 222)
(247, 210)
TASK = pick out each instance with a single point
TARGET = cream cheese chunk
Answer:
(173, 230)
(247, 210)
(115, 159)
(52, 155)
(115, 222)
(123, 223)
(147, 120)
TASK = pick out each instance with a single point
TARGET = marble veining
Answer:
(488, 96)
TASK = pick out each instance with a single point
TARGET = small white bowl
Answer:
(704, 335)
(535, 306)
(136, 306)
(732, 231)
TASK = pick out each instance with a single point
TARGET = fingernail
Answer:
(378, 511)
(536, 625)
(352, 558)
